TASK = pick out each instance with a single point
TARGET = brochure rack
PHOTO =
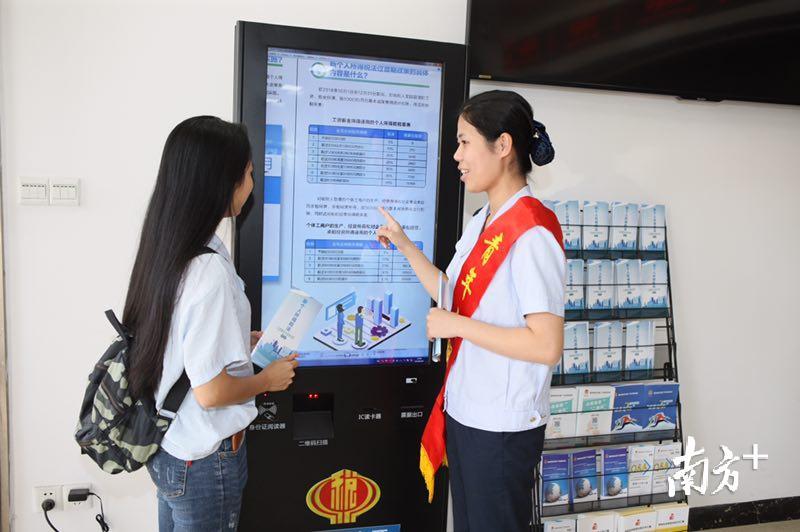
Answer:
(665, 368)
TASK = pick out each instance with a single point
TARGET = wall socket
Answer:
(42, 493)
(77, 505)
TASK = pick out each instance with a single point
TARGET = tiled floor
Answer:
(778, 526)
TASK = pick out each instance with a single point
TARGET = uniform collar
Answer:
(216, 244)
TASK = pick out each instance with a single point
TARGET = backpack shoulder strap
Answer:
(175, 397)
(121, 330)
(179, 390)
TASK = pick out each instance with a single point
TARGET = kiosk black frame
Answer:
(320, 413)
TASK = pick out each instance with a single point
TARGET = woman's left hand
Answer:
(443, 323)
(255, 336)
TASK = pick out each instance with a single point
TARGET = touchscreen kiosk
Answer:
(342, 124)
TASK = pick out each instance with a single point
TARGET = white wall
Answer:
(728, 174)
(91, 89)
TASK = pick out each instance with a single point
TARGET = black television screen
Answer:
(713, 49)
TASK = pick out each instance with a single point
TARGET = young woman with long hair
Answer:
(187, 311)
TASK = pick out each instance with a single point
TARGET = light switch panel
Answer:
(65, 191)
(34, 191)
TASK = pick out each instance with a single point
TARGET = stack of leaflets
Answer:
(664, 465)
(640, 345)
(597, 522)
(562, 523)
(576, 347)
(573, 295)
(569, 216)
(584, 476)
(636, 519)
(628, 408)
(652, 232)
(600, 284)
(595, 225)
(595, 408)
(624, 219)
(563, 403)
(614, 473)
(607, 346)
(629, 292)
(672, 517)
(555, 479)
(640, 469)
(654, 284)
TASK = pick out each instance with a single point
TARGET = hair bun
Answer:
(542, 151)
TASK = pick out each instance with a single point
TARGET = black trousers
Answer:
(491, 477)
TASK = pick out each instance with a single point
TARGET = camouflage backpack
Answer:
(118, 433)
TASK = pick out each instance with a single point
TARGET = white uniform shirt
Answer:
(492, 392)
(210, 331)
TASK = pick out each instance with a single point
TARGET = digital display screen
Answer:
(725, 49)
(344, 136)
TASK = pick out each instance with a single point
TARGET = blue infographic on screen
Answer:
(344, 136)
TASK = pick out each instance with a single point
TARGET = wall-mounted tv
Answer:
(698, 49)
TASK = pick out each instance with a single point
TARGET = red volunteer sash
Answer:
(477, 273)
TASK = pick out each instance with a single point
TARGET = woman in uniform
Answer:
(505, 320)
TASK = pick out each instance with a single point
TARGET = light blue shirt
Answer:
(210, 332)
(492, 392)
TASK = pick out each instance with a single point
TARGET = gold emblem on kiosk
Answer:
(343, 496)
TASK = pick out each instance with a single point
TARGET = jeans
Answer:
(202, 495)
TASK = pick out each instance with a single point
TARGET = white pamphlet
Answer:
(287, 328)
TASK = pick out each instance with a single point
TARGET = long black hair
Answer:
(496, 112)
(204, 160)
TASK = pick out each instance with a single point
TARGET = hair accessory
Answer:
(542, 151)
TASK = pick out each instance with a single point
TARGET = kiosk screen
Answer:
(345, 135)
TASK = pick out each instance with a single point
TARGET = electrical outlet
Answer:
(76, 505)
(42, 493)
